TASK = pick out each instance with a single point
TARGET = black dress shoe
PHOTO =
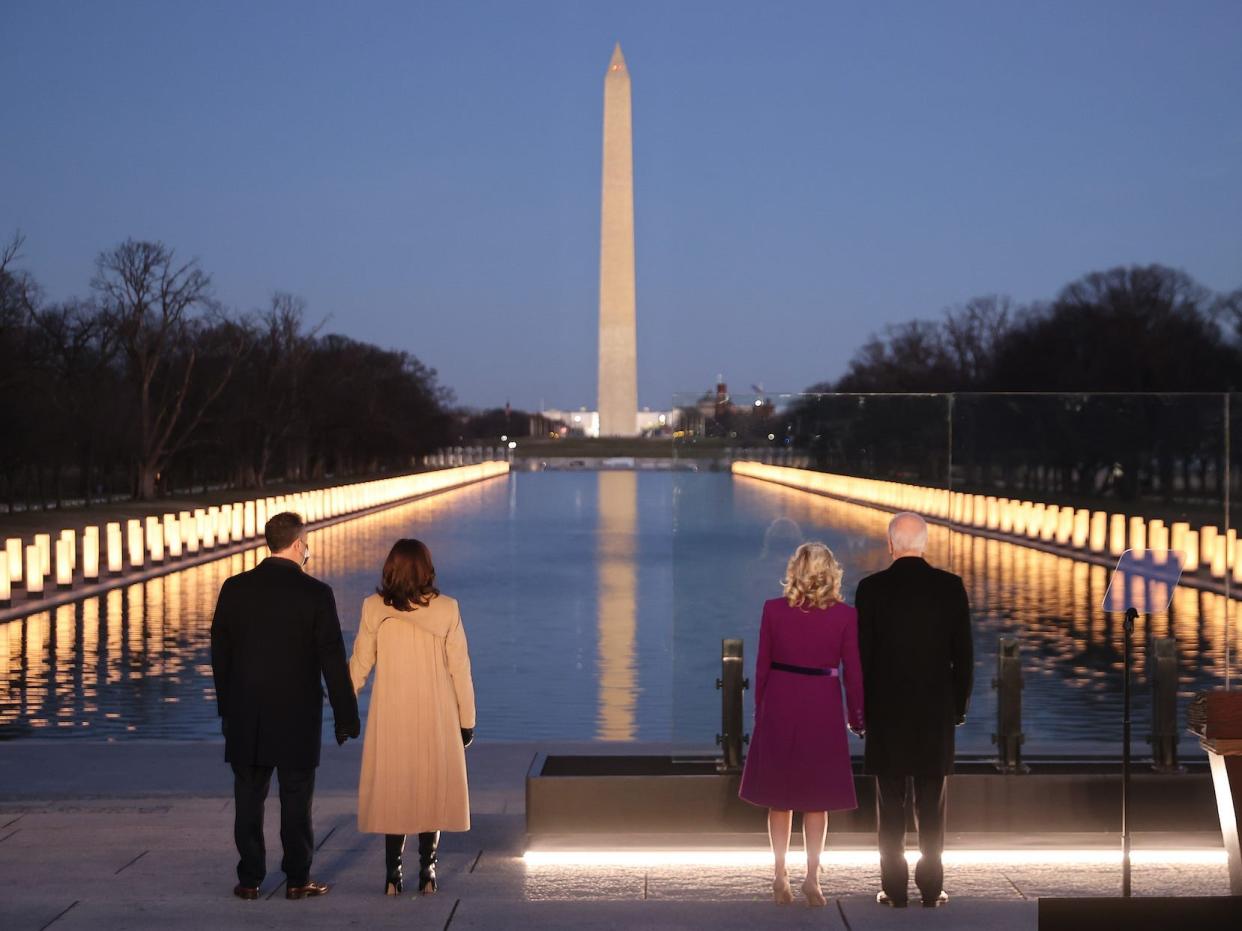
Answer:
(939, 900)
(883, 899)
(307, 890)
(249, 893)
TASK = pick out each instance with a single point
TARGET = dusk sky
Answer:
(427, 174)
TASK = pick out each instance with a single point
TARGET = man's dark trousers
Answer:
(893, 802)
(297, 788)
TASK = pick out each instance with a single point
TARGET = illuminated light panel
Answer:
(174, 534)
(1086, 856)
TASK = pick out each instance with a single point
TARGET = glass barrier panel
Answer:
(1050, 490)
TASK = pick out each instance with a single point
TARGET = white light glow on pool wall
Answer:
(758, 857)
(163, 540)
(1207, 549)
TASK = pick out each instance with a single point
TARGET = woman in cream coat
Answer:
(421, 716)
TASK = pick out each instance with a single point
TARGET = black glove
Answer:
(467, 736)
(961, 719)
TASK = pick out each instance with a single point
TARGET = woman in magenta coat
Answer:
(799, 754)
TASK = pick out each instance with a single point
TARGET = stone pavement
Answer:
(138, 835)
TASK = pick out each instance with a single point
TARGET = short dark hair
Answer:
(409, 577)
(282, 530)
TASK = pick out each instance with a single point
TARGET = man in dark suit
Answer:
(918, 669)
(274, 634)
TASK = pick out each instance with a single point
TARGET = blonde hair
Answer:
(813, 577)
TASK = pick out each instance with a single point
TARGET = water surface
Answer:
(594, 604)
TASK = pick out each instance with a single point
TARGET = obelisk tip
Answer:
(617, 62)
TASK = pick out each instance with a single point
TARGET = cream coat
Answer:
(413, 764)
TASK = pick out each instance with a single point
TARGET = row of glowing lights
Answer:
(173, 536)
(464, 455)
(758, 857)
(1080, 528)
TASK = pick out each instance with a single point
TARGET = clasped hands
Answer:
(862, 731)
(354, 729)
(346, 733)
(467, 735)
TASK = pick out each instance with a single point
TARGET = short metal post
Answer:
(1008, 684)
(731, 684)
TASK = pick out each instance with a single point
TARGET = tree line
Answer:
(149, 385)
(1128, 329)
(1120, 387)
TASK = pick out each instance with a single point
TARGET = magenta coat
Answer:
(799, 756)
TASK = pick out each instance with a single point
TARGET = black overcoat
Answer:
(914, 637)
(274, 635)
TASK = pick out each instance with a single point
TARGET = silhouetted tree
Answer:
(151, 386)
(1149, 332)
(1142, 328)
(490, 425)
(156, 308)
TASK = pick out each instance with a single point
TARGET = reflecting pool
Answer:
(595, 603)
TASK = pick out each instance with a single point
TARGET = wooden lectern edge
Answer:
(1222, 746)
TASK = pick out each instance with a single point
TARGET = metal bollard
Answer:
(1162, 672)
(731, 684)
(1008, 684)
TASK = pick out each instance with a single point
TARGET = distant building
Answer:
(583, 422)
(717, 414)
(720, 405)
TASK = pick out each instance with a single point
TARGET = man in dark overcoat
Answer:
(274, 637)
(914, 637)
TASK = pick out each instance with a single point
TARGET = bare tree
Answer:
(283, 351)
(19, 298)
(77, 351)
(1227, 308)
(972, 335)
(154, 306)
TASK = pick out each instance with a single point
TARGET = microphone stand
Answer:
(1128, 626)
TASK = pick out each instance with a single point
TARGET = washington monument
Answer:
(618, 366)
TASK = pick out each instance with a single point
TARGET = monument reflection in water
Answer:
(595, 604)
(618, 591)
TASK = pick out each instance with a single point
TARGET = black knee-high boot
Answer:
(428, 841)
(394, 846)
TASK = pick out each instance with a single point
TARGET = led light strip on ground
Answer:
(1086, 856)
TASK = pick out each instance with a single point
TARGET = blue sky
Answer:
(427, 174)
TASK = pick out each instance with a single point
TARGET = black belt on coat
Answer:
(805, 670)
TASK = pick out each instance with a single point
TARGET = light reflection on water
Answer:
(1071, 649)
(594, 605)
(618, 592)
